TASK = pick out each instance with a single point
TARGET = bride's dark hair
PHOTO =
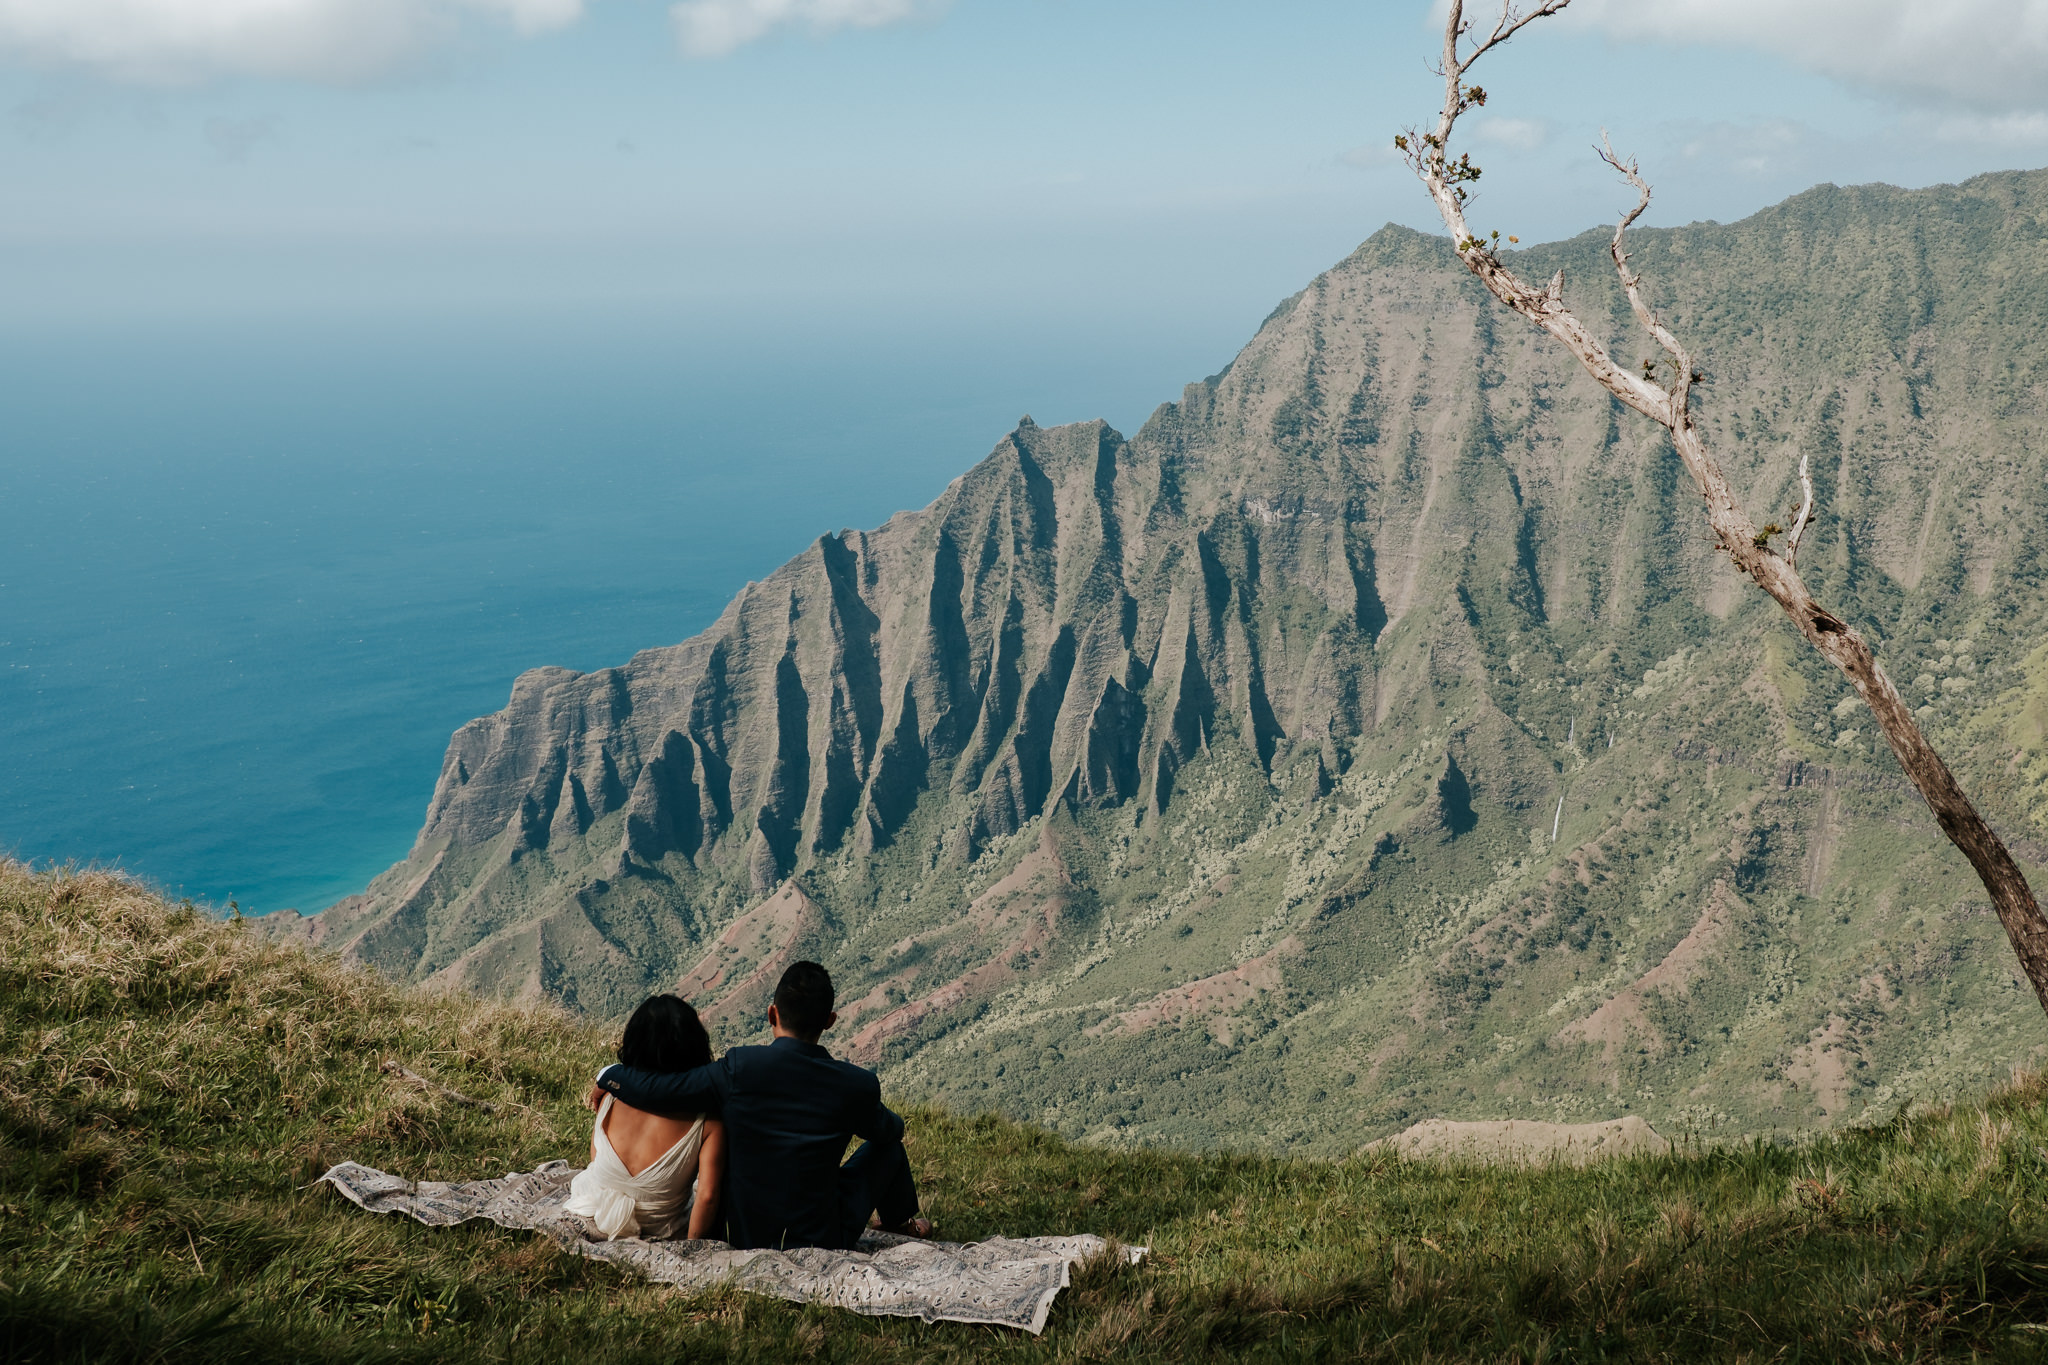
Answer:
(665, 1034)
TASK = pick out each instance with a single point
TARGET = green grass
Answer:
(169, 1083)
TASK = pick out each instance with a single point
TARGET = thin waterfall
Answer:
(1558, 818)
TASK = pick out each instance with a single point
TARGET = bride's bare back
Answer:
(640, 1138)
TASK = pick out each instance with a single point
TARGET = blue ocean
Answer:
(253, 574)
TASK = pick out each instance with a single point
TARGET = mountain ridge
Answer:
(1286, 693)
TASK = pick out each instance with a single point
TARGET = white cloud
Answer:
(235, 138)
(714, 28)
(1370, 155)
(2018, 128)
(183, 40)
(1515, 134)
(1772, 147)
(1985, 54)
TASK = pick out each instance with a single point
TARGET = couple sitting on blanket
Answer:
(759, 1133)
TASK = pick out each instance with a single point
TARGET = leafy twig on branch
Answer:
(1446, 178)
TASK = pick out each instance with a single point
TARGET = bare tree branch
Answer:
(1800, 522)
(1446, 179)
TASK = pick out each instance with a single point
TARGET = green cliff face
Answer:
(1372, 737)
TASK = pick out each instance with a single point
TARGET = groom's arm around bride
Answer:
(790, 1108)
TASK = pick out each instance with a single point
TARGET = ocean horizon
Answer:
(257, 574)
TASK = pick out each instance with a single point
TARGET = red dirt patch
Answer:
(1821, 1066)
(1211, 997)
(1026, 904)
(739, 973)
(1622, 1018)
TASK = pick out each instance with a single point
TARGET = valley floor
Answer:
(169, 1083)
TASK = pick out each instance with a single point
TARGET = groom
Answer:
(789, 1109)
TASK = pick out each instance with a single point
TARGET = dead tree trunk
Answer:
(1736, 535)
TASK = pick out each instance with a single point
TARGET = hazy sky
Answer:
(1183, 161)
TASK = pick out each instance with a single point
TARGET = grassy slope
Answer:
(168, 1085)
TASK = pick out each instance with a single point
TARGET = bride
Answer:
(648, 1174)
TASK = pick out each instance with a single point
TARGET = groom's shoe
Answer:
(919, 1227)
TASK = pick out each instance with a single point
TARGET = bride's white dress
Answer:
(654, 1203)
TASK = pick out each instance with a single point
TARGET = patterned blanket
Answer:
(1008, 1282)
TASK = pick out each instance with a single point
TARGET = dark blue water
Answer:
(251, 577)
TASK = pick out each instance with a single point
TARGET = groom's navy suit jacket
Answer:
(789, 1110)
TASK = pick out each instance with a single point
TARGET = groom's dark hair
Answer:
(803, 1000)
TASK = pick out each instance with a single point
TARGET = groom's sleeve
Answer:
(878, 1124)
(700, 1090)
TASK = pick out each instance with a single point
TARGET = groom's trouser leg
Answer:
(877, 1179)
